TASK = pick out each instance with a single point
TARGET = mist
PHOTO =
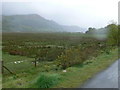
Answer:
(73, 12)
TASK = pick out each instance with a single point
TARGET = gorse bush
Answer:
(47, 80)
(69, 58)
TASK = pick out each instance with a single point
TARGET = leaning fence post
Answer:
(8, 70)
(3, 67)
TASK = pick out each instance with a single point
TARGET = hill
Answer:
(33, 23)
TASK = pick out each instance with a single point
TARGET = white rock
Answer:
(15, 62)
(64, 71)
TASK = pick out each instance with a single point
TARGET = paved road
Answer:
(106, 79)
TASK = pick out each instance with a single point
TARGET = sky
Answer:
(83, 13)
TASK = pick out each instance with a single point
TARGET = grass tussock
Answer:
(47, 80)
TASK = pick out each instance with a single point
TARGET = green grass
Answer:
(11, 58)
(25, 72)
(16, 68)
(46, 80)
(77, 75)
(74, 77)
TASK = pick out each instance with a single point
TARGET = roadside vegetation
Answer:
(45, 60)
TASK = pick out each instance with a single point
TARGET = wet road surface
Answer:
(106, 79)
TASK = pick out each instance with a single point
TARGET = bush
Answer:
(47, 80)
(113, 34)
(69, 57)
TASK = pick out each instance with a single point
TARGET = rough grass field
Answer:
(9, 62)
(81, 55)
(74, 77)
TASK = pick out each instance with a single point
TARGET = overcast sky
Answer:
(83, 13)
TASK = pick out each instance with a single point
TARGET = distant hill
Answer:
(33, 23)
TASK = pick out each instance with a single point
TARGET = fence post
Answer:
(3, 67)
(35, 64)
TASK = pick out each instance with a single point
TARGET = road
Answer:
(105, 79)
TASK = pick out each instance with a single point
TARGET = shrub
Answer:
(113, 34)
(69, 57)
(47, 80)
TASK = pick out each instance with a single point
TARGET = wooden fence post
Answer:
(3, 67)
(35, 63)
(8, 70)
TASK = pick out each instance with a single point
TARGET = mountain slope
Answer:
(33, 23)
